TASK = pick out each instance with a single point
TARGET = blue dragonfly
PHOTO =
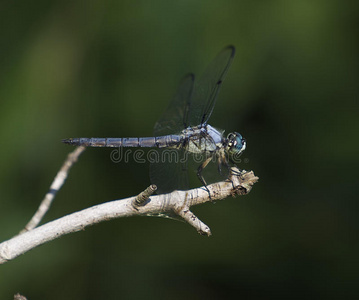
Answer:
(184, 129)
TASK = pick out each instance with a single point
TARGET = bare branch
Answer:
(179, 202)
(193, 220)
(54, 188)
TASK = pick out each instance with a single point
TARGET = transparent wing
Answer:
(191, 106)
(169, 170)
(175, 117)
(169, 174)
(207, 87)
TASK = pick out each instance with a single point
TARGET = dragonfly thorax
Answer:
(202, 139)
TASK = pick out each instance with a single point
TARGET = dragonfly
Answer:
(184, 129)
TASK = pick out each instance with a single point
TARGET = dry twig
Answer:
(54, 188)
(177, 202)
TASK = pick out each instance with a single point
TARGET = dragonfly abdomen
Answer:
(159, 141)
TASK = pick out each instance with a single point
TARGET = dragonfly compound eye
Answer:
(236, 143)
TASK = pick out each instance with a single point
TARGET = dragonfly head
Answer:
(236, 144)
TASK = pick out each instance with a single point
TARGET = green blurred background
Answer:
(109, 68)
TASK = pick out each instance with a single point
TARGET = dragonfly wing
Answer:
(207, 87)
(168, 170)
(175, 117)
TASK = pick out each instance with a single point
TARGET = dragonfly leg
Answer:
(199, 174)
(234, 165)
(225, 162)
(234, 172)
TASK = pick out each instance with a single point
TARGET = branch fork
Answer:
(179, 202)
